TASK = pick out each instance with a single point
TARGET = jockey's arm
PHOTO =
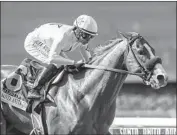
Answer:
(64, 55)
(57, 57)
(85, 53)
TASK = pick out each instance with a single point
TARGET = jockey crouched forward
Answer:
(49, 42)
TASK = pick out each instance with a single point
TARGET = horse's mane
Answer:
(100, 49)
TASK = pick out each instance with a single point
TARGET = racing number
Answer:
(13, 82)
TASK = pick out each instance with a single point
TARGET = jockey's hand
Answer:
(79, 64)
(75, 67)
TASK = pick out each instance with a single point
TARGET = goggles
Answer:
(86, 36)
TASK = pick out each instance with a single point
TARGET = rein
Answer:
(112, 69)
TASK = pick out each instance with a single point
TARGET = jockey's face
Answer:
(83, 37)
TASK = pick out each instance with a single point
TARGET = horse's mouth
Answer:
(156, 82)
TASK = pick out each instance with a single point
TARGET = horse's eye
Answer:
(141, 52)
(138, 45)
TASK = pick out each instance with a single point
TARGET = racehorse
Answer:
(85, 102)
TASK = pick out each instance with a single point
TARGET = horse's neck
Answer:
(108, 83)
(115, 58)
(104, 83)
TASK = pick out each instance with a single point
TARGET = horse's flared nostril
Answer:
(161, 79)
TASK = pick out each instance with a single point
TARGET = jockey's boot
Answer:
(45, 76)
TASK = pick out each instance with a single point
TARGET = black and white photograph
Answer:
(88, 67)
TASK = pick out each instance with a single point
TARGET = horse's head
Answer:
(141, 58)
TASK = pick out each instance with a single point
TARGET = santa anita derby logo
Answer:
(144, 131)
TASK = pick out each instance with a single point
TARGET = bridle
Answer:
(145, 73)
(153, 61)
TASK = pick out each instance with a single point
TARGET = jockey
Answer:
(50, 42)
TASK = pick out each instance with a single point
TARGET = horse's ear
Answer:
(124, 35)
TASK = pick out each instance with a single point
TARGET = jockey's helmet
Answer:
(86, 26)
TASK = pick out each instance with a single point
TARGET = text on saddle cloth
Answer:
(14, 98)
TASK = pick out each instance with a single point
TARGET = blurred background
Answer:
(156, 21)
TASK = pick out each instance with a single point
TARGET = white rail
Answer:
(140, 122)
(143, 126)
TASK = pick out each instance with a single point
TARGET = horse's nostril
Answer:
(160, 78)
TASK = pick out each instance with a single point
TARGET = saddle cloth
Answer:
(14, 87)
